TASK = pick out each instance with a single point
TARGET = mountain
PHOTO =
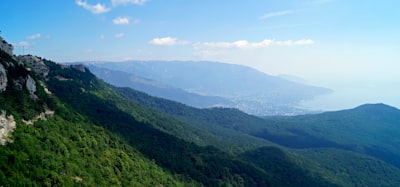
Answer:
(248, 89)
(47, 143)
(370, 126)
(157, 89)
(350, 155)
(62, 126)
(367, 134)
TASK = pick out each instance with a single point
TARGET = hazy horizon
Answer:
(350, 47)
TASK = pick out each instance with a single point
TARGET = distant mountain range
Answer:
(157, 89)
(211, 84)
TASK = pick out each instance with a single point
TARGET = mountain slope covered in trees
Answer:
(73, 129)
(355, 147)
(62, 126)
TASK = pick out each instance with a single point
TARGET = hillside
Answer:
(72, 129)
(62, 126)
(346, 156)
(51, 144)
(247, 89)
(370, 129)
(367, 134)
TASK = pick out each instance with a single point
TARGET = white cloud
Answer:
(119, 35)
(35, 36)
(102, 37)
(95, 9)
(125, 2)
(275, 14)
(295, 42)
(169, 41)
(24, 44)
(244, 44)
(121, 21)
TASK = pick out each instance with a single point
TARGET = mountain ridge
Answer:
(155, 88)
(247, 89)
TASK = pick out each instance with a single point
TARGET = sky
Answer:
(351, 47)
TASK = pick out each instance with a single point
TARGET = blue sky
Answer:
(349, 46)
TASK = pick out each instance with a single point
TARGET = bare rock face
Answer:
(31, 87)
(79, 67)
(6, 47)
(7, 126)
(3, 78)
(36, 64)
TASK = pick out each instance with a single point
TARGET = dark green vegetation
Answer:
(351, 147)
(370, 129)
(67, 149)
(98, 102)
(96, 137)
(214, 126)
(100, 135)
(362, 142)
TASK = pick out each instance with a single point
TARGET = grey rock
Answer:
(7, 126)
(31, 86)
(36, 64)
(3, 78)
(6, 47)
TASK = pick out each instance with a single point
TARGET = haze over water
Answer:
(352, 95)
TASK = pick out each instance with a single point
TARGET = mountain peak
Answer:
(376, 107)
(379, 112)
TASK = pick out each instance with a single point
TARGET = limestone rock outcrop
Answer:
(7, 126)
(6, 47)
(3, 78)
(36, 64)
(31, 86)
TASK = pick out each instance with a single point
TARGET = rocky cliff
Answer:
(3, 78)
(7, 126)
(6, 47)
(20, 81)
(35, 64)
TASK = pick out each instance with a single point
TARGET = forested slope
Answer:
(92, 136)
(65, 148)
(318, 142)
(72, 129)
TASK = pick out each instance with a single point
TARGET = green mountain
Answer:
(45, 142)
(362, 142)
(351, 147)
(370, 129)
(61, 126)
